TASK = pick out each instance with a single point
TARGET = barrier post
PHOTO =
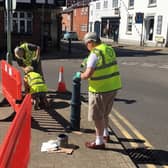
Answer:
(15, 148)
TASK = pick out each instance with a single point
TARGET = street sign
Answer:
(139, 18)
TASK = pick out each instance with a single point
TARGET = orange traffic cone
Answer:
(61, 84)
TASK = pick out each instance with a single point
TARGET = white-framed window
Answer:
(91, 12)
(50, 1)
(129, 23)
(159, 24)
(22, 22)
(130, 3)
(91, 26)
(83, 27)
(84, 11)
(115, 4)
(105, 5)
(98, 5)
(40, 1)
(24, 1)
(152, 3)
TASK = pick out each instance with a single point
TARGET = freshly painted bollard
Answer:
(75, 106)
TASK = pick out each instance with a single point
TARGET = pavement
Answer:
(48, 124)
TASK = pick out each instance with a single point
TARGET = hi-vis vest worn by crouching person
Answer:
(29, 55)
(106, 76)
(36, 82)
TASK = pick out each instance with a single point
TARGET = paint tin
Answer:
(62, 140)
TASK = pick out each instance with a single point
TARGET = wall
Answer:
(80, 21)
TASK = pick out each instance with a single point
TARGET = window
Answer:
(91, 12)
(22, 22)
(83, 28)
(90, 27)
(115, 4)
(159, 24)
(130, 3)
(152, 3)
(129, 23)
(105, 4)
(98, 5)
(84, 11)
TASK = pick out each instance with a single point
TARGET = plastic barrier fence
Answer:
(11, 84)
(15, 149)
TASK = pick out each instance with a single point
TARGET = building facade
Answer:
(104, 19)
(34, 21)
(130, 21)
(75, 18)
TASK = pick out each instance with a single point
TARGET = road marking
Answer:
(148, 65)
(123, 130)
(129, 63)
(135, 131)
(145, 65)
(126, 134)
(164, 66)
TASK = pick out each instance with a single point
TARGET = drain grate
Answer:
(142, 155)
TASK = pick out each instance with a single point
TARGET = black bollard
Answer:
(75, 106)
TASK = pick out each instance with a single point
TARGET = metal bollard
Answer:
(75, 106)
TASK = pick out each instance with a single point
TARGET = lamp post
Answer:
(8, 11)
(10, 6)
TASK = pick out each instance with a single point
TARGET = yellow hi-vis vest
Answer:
(29, 55)
(106, 76)
(36, 82)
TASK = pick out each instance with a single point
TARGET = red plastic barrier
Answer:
(11, 84)
(15, 149)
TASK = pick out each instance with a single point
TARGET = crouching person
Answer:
(35, 85)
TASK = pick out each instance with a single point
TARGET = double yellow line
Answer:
(114, 117)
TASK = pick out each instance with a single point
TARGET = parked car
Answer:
(70, 35)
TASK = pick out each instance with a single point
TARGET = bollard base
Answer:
(71, 128)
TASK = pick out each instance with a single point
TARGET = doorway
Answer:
(149, 26)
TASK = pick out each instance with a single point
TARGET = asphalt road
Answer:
(140, 112)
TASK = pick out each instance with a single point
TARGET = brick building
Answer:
(75, 18)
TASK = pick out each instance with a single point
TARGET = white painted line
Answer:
(164, 66)
(148, 65)
(129, 63)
